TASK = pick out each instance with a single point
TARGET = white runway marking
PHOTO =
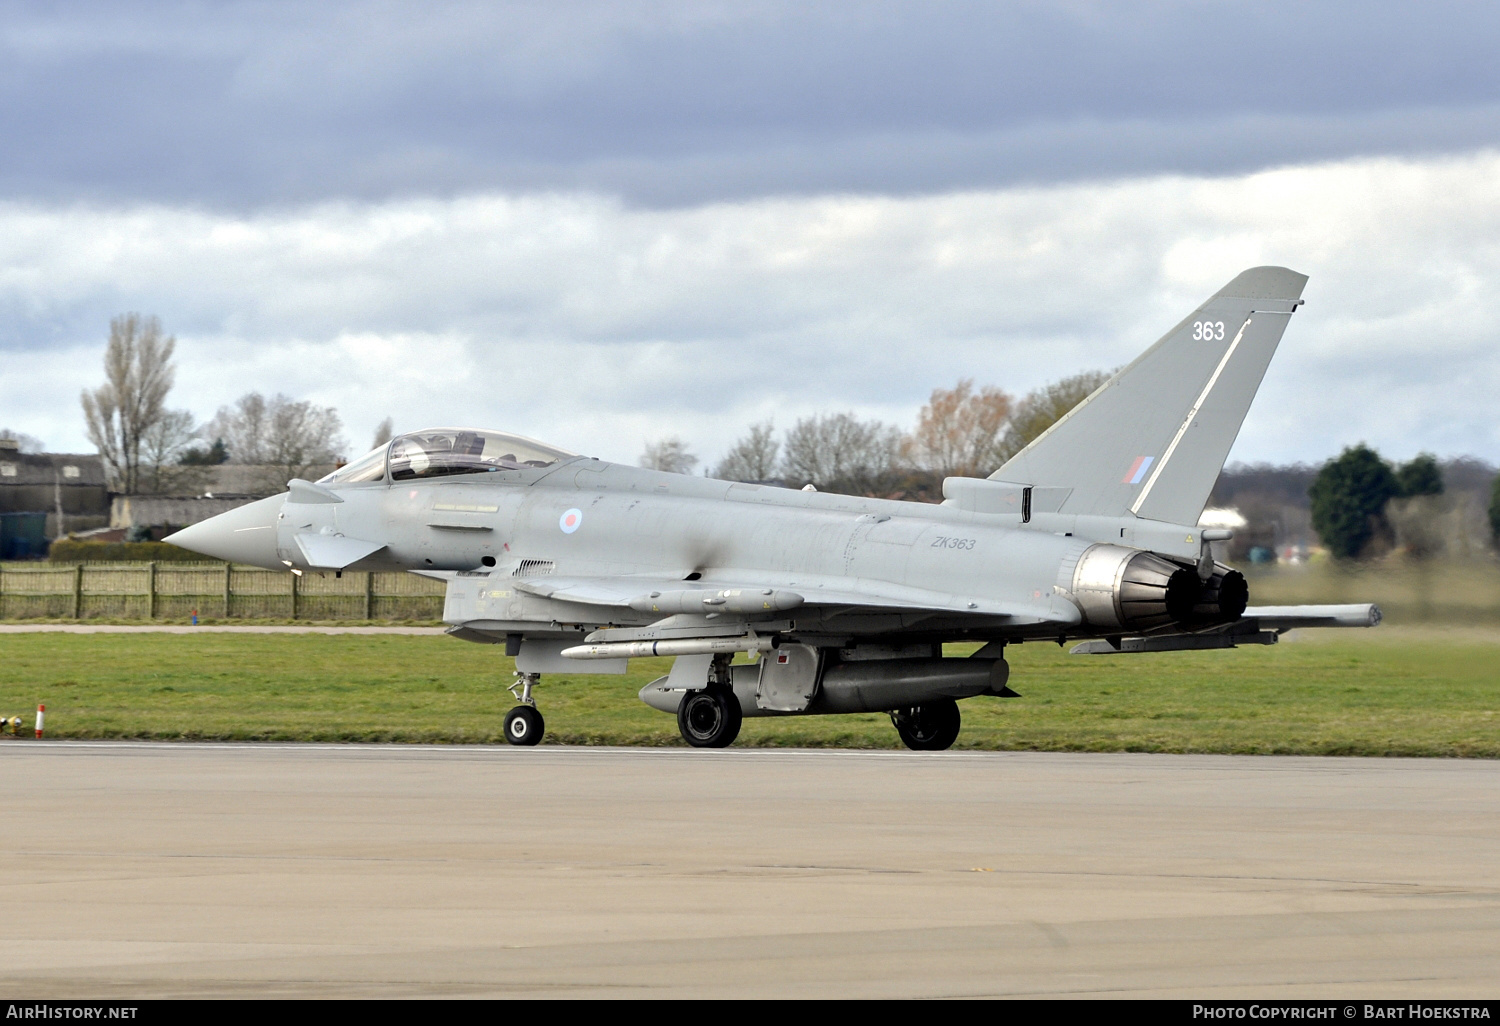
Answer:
(180, 628)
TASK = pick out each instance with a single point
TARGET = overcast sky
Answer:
(603, 223)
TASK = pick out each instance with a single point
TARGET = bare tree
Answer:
(286, 436)
(383, 433)
(842, 453)
(138, 374)
(669, 454)
(1044, 407)
(243, 429)
(164, 448)
(958, 432)
(752, 458)
(20, 441)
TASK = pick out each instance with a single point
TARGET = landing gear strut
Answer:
(929, 727)
(711, 718)
(523, 724)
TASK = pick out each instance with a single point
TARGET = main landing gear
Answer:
(523, 724)
(929, 727)
(711, 718)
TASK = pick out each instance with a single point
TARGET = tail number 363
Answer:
(1208, 331)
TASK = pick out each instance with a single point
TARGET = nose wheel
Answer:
(523, 724)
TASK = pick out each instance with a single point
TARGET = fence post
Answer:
(295, 580)
(151, 590)
(78, 591)
(369, 594)
(227, 568)
(2, 589)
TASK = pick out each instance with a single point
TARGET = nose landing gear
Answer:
(523, 724)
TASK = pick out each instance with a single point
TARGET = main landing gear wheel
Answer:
(929, 727)
(524, 726)
(709, 718)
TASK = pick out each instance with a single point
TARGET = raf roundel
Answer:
(570, 520)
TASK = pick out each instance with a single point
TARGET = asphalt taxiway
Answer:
(133, 869)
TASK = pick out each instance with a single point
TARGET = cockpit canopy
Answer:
(441, 452)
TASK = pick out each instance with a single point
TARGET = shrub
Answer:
(68, 550)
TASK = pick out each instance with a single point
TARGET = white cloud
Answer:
(578, 319)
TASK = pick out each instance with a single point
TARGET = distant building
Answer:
(227, 485)
(67, 490)
(44, 496)
(162, 514)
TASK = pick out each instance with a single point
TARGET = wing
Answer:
(768, 597)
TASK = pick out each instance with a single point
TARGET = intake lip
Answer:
(243, 535)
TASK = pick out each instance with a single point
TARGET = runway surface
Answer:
(135, 869)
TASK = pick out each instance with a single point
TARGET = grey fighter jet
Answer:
(576, 565)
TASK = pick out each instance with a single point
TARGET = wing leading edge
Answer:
(771, 597)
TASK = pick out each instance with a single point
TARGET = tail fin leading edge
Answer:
(1152, 440)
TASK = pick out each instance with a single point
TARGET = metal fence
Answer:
(175, 591)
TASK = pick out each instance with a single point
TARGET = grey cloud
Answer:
(678, 103)
(599, 324)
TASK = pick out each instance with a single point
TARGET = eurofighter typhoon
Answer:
(576, 565)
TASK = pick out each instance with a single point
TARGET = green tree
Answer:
(1349, 497)
(1495, 511)
(1420, 477)
(210, 457)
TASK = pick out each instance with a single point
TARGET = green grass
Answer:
(1389, 692)
(1408, 591)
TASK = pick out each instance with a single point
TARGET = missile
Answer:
(678, 647)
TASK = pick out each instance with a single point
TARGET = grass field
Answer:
(1393, 691)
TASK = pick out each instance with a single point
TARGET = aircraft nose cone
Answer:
(243, 535)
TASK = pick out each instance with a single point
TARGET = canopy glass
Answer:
(441, 452)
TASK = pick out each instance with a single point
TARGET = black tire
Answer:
(929, 727)
(524, 726)
(710, 718)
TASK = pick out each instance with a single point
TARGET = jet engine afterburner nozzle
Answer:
(1223, 598)
(1119, 587)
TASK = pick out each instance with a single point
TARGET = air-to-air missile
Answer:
(577, 565)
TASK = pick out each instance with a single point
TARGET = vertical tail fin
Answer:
(1152, 440)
